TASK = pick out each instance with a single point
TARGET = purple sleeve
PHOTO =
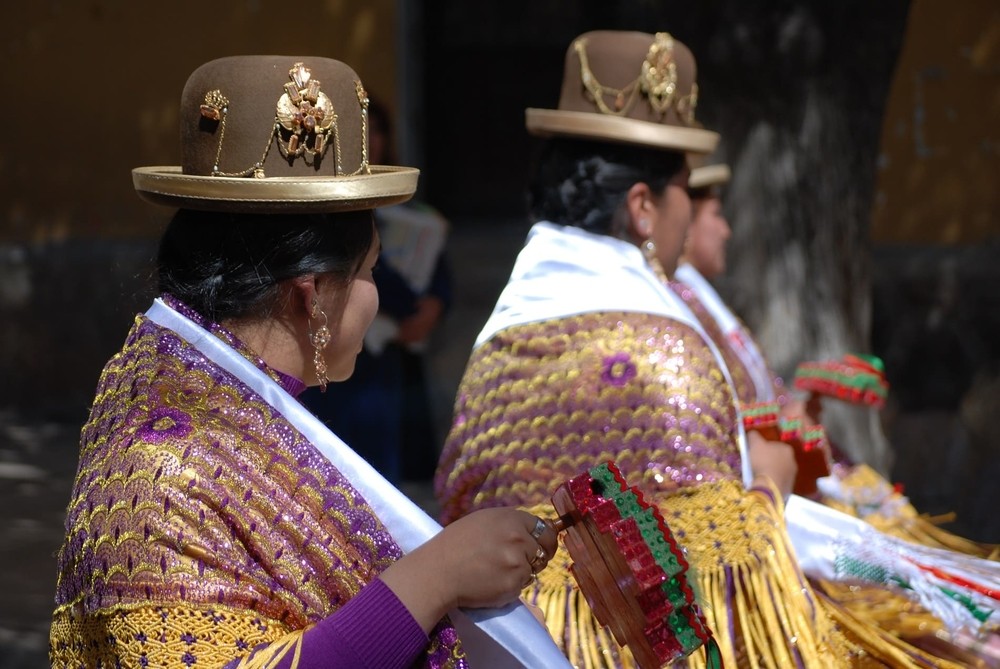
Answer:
(374, 630)
(764, 490)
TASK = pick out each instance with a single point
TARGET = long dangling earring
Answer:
(686, 251)
(320, 338)
(649, 253)
(649, 250)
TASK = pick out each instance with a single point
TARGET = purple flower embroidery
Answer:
(618, 369)
(164, 423)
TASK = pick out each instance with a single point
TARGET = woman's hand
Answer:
(482, 560)
(773, 459)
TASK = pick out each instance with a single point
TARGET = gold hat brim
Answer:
(588, 125)
(168, 186)
(709, 175)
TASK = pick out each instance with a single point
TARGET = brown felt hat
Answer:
(275, 134)
(627, 87)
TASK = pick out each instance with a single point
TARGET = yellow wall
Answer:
(940, 176)
(91, 90)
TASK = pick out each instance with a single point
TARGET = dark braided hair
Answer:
(226, 265)
(583, 183)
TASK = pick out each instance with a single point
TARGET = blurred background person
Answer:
(856, 489)
(859, 380)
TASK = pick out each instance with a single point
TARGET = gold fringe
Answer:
(889, 610)
(273, 654)
(776, 616)
(586, 644)
(884, 647)
(163, 636)
(751, 543)
(905, 523)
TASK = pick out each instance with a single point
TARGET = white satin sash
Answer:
(508, 637)
(732, 329)
(945, 582)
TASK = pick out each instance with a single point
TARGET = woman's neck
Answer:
(277, 342)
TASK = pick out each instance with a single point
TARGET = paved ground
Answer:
(37, 464)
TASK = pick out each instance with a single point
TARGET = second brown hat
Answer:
(628, 87)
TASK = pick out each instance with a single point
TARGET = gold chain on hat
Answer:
(216, 108)
(657, 80)
(363, 101)
(598, 90)
(686, 105)
(304, 112)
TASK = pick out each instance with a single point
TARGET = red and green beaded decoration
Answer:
(812, 452)
(631, 569)
(859, 379)
(790, 430)
(761, 416)
(813, 439)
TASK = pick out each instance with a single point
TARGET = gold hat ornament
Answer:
(275, 134)
(628, 87)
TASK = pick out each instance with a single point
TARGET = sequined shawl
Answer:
(564, 272)
(201, 523)
(587, 355)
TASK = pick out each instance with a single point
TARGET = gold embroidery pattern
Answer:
(158, 637)
(542, 402)
(743, 384)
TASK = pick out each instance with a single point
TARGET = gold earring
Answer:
(649, 253)
(686, 250)
(320, 339)
(649, 250)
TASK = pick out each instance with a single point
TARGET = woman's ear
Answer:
(641, 210)
(305, 295)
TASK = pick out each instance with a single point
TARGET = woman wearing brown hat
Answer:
(213, 518)
(704, 258)
(589, 356)
(855, 489)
